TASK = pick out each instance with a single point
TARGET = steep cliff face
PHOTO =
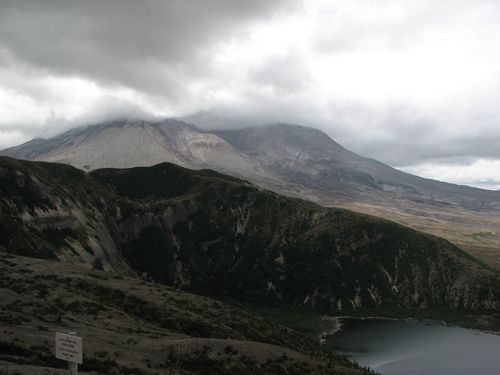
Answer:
(58, 212)
(225, 237)
(220, 236)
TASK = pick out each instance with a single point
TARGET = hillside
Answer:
(291, 160)
(99, 253)
(220, 236)
(133, 326)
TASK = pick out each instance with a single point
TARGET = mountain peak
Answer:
(284, 141)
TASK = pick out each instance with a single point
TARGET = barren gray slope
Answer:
(129, 143)
(309, 156)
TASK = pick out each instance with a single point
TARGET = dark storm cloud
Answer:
(145, 45)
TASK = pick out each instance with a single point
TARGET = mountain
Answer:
(130, 143)
(223, 237)
(77, 254)
(296, 153)
(100, 252)
(292, 160)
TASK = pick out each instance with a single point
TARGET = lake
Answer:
(395, 347)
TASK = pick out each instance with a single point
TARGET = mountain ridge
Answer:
(293, 160)
(233, 137)
(193, 229)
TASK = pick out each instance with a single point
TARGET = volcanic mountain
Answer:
(289, 159)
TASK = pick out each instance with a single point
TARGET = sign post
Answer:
(69, 348)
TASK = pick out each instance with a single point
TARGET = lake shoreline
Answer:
(323, 335)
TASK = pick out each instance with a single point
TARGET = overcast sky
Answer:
(413, 83)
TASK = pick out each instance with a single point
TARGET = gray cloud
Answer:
(284, 74)
(401, 136)
(379, 24)
(145, 45)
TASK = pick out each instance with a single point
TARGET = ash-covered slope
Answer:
(220, 236)
(129, 143)
(309, 157)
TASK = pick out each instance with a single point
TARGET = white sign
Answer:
(69, 348)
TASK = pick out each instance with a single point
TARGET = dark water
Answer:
(393, 347)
